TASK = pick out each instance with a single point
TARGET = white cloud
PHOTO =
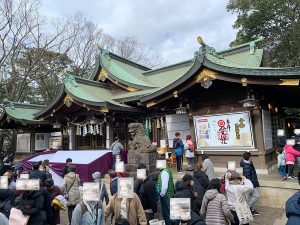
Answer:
(170, 27)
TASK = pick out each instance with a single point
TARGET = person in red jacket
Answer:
(290, 158)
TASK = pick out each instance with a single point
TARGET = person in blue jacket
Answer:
(178, 149)
(292, 208)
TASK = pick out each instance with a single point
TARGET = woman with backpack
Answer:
(71, 190)
(189, 148)
(215, 206)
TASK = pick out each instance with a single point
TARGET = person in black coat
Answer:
(66, 167)
(250, 173)
(147, 195)
(36, 173)
(292, 208)
(201, 176)
(31, 203)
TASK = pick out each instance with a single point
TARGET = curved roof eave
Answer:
(53, 103)
(194, 68)
(259, 72)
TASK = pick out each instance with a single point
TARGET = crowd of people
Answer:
(212, 201)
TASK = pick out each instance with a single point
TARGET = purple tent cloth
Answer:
(85, 170)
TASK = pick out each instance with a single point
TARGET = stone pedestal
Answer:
(135, 158)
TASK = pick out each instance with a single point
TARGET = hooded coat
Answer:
(249, 172)
(215, 208)
(202, 178)
(292, 209)
(71, 185)
(86, 214)
(199, 189)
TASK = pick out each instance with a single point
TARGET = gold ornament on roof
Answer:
(102, 75)
(289, 82)
(68, 100)
(200, 40)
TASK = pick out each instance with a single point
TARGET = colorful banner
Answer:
(224, 130)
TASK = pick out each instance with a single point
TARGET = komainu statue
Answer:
(140, 141)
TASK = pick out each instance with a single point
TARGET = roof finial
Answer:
(200, 40)
(98, 46)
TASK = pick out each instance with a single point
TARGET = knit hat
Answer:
(235, 175)
(96, 176)
(189, 168)
(187, 177)
(71, 168)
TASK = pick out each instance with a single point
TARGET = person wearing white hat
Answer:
(97, 178)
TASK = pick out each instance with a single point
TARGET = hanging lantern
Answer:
(158, 126)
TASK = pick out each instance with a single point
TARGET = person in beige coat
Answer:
(215, 207)
(71, 187)
(133, 210)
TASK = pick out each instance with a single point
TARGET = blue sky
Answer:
(169, 27)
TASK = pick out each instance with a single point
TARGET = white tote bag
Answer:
(157, 222)
(16, 217)
(242, 210)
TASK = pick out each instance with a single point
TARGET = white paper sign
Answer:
(297, 131)
(4, 182)
(280, 132)
(28, 184)
(161, 164)
(180, 209)
(120, 167)
(167, 155)
(290, 142)
(24, 176)
(231, 165)
(90, 191)
(141, 174)
(125, 187)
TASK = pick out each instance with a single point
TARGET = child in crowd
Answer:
(249, 172)
(290, 155)
(281, 163)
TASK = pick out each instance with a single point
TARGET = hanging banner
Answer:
(224, 130)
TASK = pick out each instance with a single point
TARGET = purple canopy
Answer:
(87, 162)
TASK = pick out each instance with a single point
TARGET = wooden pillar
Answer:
(32, 142)
(109, 134)
(72, 136)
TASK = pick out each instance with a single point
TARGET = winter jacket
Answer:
(241, 191)
(202, 178)
(215, 208)
(208, 168)
(86, 214)
(185, 191)
(196, 219)
(249, 172)
(137, 186)
(116, 148)
(6, 201)
(31, 203)
(37, 174)
(281, 159)
(71, 183)
(55, 191)
(147, 195)
(114, 186)
(47, 206)
(290, 153)
(134, 208)
(292, 209)
(199, 189)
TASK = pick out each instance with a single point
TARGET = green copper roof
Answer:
(88, 91)
(124, 72)
(246, 59)
(22, 112)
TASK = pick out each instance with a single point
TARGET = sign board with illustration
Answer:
(232, 130)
